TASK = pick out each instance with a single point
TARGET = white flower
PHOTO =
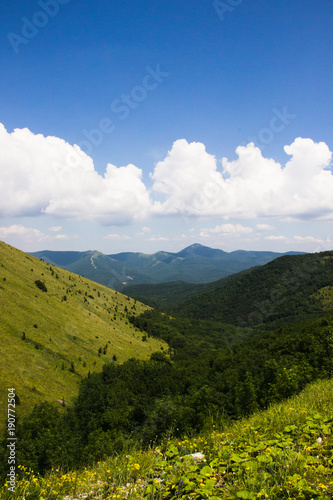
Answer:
(197, 456)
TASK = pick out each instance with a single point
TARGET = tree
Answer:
(41, 285)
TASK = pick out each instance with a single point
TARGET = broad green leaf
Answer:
(206, 471)
(246, 494)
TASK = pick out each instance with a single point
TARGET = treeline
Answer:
(203, 376)
(279, 292)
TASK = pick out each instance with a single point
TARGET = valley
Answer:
(289, 288)
(105, 373)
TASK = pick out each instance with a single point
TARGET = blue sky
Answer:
(162, 91)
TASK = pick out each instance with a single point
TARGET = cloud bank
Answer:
(45, 175)
(29, 234)
(251, 186)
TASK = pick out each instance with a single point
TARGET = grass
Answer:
(282, 453)
(50, 339)
(325, 297)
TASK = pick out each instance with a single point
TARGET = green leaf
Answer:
(246, 494)
(208, 486)
(251, 465)
(205, 471)
(290, 428)
(235, 458)
(172, 451)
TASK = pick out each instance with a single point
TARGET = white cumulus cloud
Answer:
(276, 238)
(21, 231)
(189, 179)
(264, 227)
(250, 186)
(115, 236)
(18, 233)
(229, 229)
(46, 175)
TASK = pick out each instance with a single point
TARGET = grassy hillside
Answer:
(282, 453)
(54, 332)
(325, 297)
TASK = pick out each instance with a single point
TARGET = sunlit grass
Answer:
(48, 342)
(325, 297)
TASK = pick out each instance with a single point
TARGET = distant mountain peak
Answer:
(194, 264)
(200, 250)
(195, 245)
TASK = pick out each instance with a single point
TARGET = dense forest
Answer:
(281, 291)
(207, 375)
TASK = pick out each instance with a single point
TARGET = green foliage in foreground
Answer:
(284, 453)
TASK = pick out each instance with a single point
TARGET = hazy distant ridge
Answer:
(194, 264)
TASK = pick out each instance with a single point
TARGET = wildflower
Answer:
(197, 456)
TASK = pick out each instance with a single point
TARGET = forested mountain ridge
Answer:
(287, 289)
(194, 264)
(290, 287)
(167, 296)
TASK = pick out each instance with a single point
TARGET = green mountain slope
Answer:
(288, 288)
(167, 296)
(96, 266)
(55, 327)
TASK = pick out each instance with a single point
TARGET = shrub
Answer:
(41, 285)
